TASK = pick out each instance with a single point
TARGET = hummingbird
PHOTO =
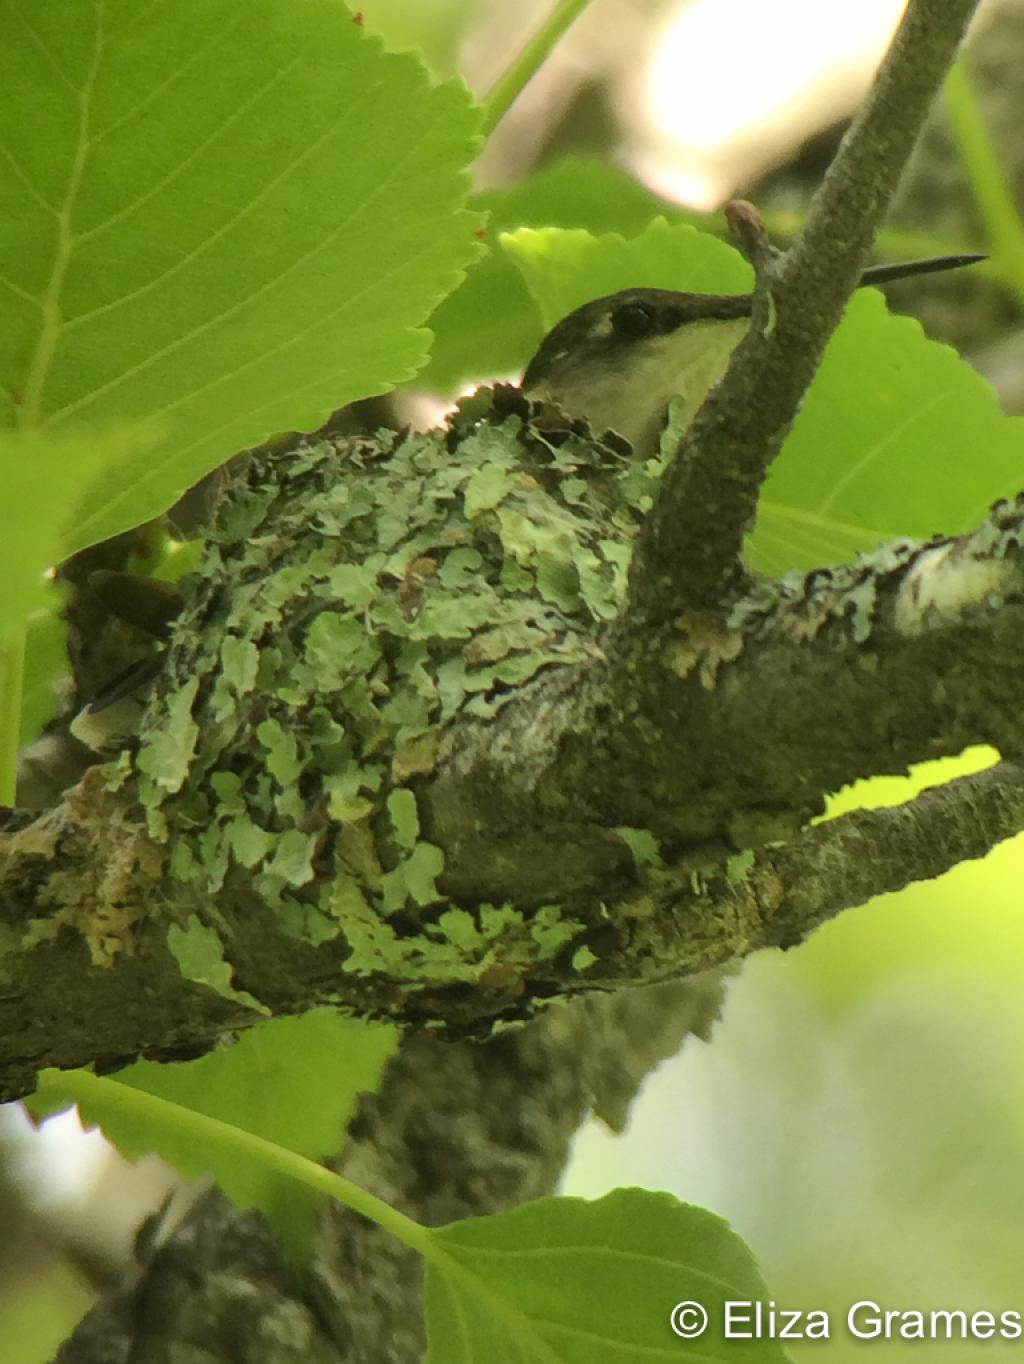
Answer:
(616, 362)
(619, 361)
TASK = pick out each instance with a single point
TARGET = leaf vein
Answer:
(875, 452)
(218, 318)
(49, 333)
(239, 112)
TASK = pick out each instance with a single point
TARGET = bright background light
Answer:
(735, 84)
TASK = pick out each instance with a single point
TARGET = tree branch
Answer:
(687, 553)
(707, 744)
(720, 735)
(781, 894)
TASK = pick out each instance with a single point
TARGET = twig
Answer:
(687, 555)
(511, 82)
(987, 178)
(747, 226)
(788, 891)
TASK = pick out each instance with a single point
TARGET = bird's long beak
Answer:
(882, 274)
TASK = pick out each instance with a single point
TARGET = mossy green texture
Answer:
(357, 598)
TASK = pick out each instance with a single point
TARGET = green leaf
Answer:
(435, 31)
(490, 326)
(897, 436)
(231, 214)
(564, 1281)
(564, 269)
(293, 1081)
(42, 482)
(46, 661)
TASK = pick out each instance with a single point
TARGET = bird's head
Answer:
(619, 361)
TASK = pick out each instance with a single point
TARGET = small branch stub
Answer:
(747, 226)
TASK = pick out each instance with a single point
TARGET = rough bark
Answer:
(544, 805)
(487, 860)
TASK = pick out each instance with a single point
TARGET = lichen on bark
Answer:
(358, 598)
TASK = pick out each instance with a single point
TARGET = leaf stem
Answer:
(987, 178)
(12, 667)
(506, 89)
(81, 1086)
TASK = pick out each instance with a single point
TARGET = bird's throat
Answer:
(630, 392)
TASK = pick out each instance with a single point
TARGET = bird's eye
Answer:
(633, 320)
